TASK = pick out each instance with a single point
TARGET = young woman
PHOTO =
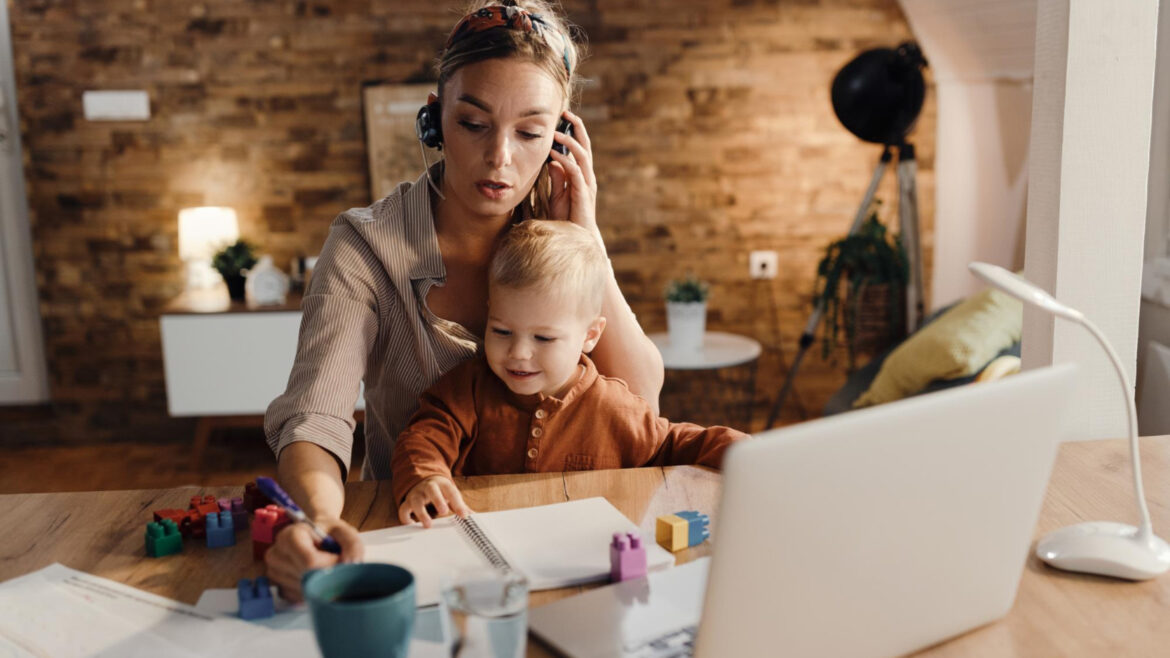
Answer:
(399, 294)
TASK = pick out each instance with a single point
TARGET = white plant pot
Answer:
(686, 322)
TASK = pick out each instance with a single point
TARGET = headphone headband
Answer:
(512, 18)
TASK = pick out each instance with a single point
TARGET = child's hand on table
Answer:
(438, 491)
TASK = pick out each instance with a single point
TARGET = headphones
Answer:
(428, 125)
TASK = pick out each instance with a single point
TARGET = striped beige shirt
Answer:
(365, 319)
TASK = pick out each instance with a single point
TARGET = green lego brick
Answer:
(163, 538)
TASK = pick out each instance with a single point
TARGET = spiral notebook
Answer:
(557, 545)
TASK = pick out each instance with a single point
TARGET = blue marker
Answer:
(270, 488)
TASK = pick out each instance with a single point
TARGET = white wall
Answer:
(1158, 212)
(980, 56)
(1090, 157)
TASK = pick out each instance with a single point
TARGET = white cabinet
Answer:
(226, 362)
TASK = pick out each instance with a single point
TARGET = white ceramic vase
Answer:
(686, 322)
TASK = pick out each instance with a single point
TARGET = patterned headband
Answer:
(512, 18)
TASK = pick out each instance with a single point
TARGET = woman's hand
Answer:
(574, 185)
(294, 551)
(435, 490)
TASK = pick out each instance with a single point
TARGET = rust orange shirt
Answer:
(470, 423)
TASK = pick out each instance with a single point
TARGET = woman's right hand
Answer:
(295, 552)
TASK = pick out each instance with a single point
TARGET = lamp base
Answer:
(1105, 548)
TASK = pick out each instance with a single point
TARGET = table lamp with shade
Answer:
(1104, 548)
(202, 232)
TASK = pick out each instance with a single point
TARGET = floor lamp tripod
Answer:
(878, 96)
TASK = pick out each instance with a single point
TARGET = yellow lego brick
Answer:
(671, 532)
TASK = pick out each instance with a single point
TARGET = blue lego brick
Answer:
(255, 598)
(163, 538)
(221, 530)
(698, 526)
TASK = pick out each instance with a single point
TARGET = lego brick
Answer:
(239, 514)
(221, 531)
(176, 515)
(627, 557)
(255, 598)
(267, 522)
(205, 505)
(194, 525)
(163, 538)
(253, 498)
(698, 526)
(671, 532)
(259, 548)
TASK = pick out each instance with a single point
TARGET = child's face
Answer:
(535, 338)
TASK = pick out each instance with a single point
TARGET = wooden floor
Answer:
(233, 457)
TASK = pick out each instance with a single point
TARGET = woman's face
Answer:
(498, 121)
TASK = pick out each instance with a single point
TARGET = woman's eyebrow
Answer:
(483, 105)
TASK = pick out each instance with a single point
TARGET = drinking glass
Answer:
(489, 612)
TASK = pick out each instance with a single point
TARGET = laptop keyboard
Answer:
(675, 644)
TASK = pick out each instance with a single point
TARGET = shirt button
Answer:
(540, 413)
(532, 453)
(536, 431)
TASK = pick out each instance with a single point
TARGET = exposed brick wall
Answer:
(712, 130)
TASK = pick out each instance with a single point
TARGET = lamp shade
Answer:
(205, 230)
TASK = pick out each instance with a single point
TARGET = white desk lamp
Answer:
(1099, 547)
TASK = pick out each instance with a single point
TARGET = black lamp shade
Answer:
(878, 95)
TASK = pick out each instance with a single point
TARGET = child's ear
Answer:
(593, 334)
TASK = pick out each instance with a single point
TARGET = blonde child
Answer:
(533, 401)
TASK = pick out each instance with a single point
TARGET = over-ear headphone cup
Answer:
(428, 125)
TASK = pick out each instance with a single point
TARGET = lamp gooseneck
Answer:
(1099, 547)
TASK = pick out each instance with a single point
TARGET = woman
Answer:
(399, 294)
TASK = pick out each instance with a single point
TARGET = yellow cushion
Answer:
(957, 344)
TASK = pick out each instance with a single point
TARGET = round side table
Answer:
(714, 385)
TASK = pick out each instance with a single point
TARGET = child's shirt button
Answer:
(532, 453)
(536, 431)
(540, 413)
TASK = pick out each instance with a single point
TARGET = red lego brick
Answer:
(206, 505)
(268, 521)
(196, 525)
(176, 515)
(253, 499)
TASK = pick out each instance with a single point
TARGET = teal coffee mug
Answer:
(361, 609)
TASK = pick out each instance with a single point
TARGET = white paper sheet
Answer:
(59, 611)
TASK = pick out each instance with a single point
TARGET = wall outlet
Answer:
(764, 264)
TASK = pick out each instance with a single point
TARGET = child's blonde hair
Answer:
(555, 256)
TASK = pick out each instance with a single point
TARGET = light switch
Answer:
(120, 105)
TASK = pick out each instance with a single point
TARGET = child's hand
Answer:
(435, 490)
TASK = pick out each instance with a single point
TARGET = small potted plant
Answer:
(686, 312)
(870, 308)
(232, 262)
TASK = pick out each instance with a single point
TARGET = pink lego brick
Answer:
(268, 521)
(627, 557)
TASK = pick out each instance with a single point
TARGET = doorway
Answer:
(23, 377)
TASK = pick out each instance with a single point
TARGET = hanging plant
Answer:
(864, 260)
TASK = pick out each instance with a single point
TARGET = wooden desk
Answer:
(1056, 614)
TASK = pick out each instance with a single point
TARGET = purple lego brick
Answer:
(255, 598)
(627, 557)
(221, 531)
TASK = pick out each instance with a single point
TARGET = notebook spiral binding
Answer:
(475, 534)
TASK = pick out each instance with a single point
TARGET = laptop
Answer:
(874, 533)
